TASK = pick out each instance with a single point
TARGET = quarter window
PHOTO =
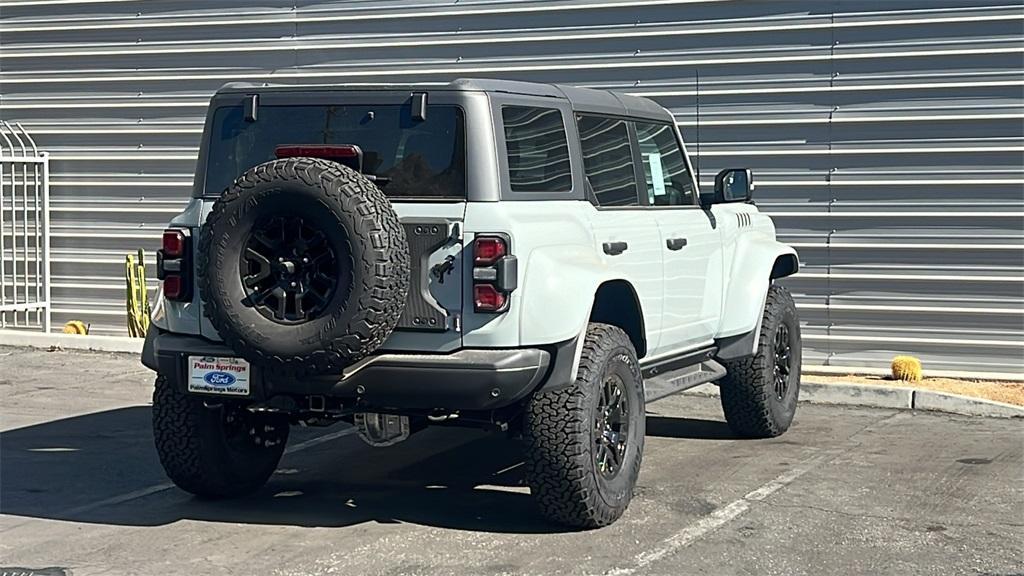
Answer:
(608, 160)
(669, 182)
(538, 152)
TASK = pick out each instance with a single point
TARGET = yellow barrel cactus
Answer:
(76, 327)
(906, 368)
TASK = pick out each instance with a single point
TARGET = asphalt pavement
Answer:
(845, 491)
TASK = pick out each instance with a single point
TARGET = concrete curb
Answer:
(957, 404)
(70, 341)
(846, 394)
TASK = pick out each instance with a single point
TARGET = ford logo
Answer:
(219, 379)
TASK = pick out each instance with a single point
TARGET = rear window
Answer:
(538, 152)
(608, 160)
(416, 159)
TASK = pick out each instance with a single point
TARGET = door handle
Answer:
(675, 243)
(615, 248)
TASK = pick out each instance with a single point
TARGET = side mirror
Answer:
(734, 185)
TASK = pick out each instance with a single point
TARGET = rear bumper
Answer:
(469, 379)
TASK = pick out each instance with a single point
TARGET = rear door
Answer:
(626, 234)
(418, 160)
(690, 240)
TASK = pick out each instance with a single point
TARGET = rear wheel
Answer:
(759, 393)
(584, 443)
(221, 450)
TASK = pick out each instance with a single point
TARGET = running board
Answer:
(669, 383)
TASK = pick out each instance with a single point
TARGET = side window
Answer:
(608, 160)
(669, 183)
(538, 152)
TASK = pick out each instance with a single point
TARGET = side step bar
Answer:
(661, 383)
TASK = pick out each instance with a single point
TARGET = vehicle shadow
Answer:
(689, 428)
(102, 468)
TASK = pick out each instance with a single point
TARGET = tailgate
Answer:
(432, 318)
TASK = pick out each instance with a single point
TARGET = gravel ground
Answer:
(845, 491)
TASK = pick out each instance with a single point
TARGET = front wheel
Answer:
(584, 443)
(759, 392)
(216, 451)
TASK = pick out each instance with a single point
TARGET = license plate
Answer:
(226, 376)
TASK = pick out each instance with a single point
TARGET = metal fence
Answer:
(24, 231)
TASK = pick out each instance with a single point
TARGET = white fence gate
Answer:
(24, 231)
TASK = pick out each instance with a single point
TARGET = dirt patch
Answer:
(1000, 391)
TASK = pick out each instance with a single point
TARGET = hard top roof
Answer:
(581, 99)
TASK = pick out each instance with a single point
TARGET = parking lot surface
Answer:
(845, 491)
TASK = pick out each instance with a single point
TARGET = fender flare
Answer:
(559, 296)
(758, 260)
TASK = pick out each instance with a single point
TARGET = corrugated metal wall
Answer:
(887, 137)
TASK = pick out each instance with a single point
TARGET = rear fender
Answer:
(561, 297)
(559, 292)
(759, 259)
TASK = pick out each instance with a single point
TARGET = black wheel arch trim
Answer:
(785, 265)
(738, 346)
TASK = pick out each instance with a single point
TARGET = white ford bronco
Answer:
(529, 258)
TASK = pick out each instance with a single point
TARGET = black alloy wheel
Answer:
(611, 429)
(289, 270)
(783, 361)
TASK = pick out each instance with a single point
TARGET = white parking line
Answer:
(142, 492)
(721, 516)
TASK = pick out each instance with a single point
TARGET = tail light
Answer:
(495, 272)
(174, 264)
(488, 249)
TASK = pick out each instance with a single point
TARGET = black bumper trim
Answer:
(469, 379)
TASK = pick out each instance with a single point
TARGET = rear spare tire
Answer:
(303, 266)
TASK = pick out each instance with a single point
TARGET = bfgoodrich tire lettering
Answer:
(756, 401)
(214, 452)
(564, 434)
(366, 240)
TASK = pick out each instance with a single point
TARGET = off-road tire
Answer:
(752, 407)
(358, 220)
(196, 454)
(560, 435)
